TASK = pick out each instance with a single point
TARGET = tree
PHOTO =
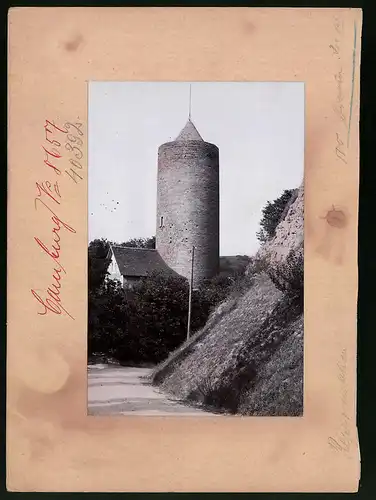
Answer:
(98, 261)
(108, 318)
(272, 214)
(161, 308)
(140, 243)
(106, 303)
(144, 324)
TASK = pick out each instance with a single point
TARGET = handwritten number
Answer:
(73, 174)
(75, 139)
(76, 125)
(75, 150)
(73, 144)
(76, 163)
(80, 154)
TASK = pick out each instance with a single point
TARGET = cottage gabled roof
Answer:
(138, 262)
(189, 133)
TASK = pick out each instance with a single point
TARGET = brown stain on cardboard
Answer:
(65, 408)
(336, 218)
(73, 44)
(249, 27)
(333, 246)
(62, 397)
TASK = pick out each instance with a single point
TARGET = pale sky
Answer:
(258, 127)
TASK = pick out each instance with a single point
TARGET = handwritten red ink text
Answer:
(49, 193)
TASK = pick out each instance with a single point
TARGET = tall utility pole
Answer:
(190, 295)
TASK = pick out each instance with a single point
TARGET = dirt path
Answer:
(119, 390)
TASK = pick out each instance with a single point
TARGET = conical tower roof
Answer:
(189, 133)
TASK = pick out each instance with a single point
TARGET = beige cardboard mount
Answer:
(52, 445)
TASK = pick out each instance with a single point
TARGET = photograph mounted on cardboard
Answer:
(195, 251)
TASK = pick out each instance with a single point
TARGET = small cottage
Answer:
(128, 264)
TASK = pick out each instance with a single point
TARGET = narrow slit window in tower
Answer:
(161, 221)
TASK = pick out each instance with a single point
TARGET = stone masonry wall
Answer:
(188, 207)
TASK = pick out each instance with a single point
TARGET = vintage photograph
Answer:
(195, 248)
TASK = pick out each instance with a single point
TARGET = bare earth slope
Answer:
(248, 359)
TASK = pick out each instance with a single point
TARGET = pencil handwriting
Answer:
(339, 107)
(342, 441)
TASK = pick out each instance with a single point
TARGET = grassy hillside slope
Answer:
(248, 359)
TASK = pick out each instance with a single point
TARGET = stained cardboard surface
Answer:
(52, 445)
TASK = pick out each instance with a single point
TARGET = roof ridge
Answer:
(133, 248)
(138, 263)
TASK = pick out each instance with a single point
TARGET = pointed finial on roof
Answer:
(189, 132)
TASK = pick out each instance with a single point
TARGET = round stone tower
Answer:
(188, 205)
